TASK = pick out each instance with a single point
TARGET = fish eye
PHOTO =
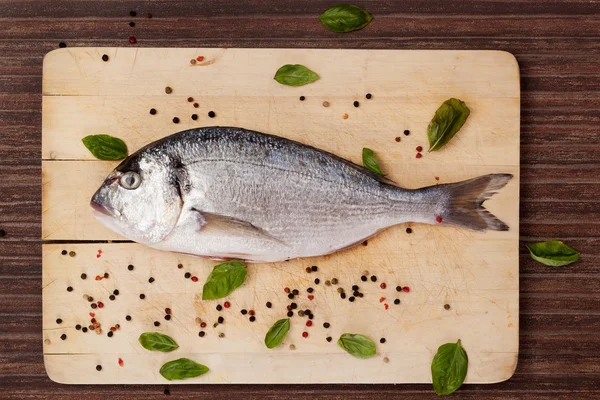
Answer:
(130, 180)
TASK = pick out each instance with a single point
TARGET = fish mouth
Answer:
(102, 209)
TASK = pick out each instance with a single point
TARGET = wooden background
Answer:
(557, 44)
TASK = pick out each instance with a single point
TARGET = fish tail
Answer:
(465, 208)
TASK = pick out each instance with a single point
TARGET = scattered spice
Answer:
(251, 312)
(308, 270)
(64, 252)
(203, 325)
(148, 15)
(311, 297)
(386, 306)
(301, 313)
(419, 155)
(406, 289)
(351, 299)
(382, 340)
(194, 116)
(253, 318)
(244, 311)
(200, 58)
(326, 325)
(406, 132)
(187, 275)
(368, 96)
(373, 278)
(110, 334)
(340, 290)
(382, 299)
(59, 321)
(219, 307)
(63, 336)
(334, 281)
(314, 268)
(408, 230)
(142, 296)
(221, 320)
(201, 333)
(175, 120)
(268, 304)
(325, 104)
(120, 362)
(363, 278)
(112, 297)
(343, 295)
(356, 104)
(190, 99)
(287, 289)
(327, 283)
(168, 90)
(132, 40)
(345, 116)
(130, 267)
(156, 323)
(128, 317)
(168, 311)
(304, 334)
(329, 338)
(419, 149)
(386, 360)
(194, 279)
(211, 114)
(227, 304)
(397, 301)
(302, 98)
(438, 219)
(291, 313)
(84, 329)
(317, 281)
(94, 306)
(152, 111)
(132, 13)
(293, 306)
(72, 254)
(98, 367)
(354, 287)
(383, 285)
(104, 57)
(179, 266)
(132, 24)
(398, 139)
(150, 280)
(446, 306)
(365, 243)
(69, 289)
(437, 178)
(295, 292)
(196, 105)
(310, 290)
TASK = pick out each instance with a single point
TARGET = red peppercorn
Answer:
(304, 334)
(287, 290)
(309, 323)
(251, 312)
(200, 58)
(100, 304)
(132, 40)
(419, 155)
(311, 297)
(194, 279)
(120, 362)
(92, 314)
(98, 278)
(386, 306)
(419, 149)
(438, 219)
(381, 300)
(383, 285)
(179, 266)
(203, 325)
(437, 178)
(227, 304)
(406, 289)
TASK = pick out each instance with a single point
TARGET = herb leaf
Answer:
(224, 279)
(277, 333)
(449, 368)
(105, 147)
(295, 75)
(554, 253)
(182, 368)
(446, 122)
(345, 18)
(357, 345)
(157, 341)
(370, 161)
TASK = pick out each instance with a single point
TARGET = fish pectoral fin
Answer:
(232, 226)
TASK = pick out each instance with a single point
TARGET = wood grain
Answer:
(557, 322)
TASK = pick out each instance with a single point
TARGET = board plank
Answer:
(476, 273)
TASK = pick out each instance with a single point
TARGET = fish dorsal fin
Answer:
(233, 226)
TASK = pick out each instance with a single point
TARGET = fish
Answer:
(231, 193)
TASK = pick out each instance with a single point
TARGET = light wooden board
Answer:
(475, 273)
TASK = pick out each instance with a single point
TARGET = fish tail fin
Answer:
(464, 203)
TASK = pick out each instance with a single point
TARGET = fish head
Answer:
(140, 199)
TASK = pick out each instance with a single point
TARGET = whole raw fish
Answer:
(226, 193)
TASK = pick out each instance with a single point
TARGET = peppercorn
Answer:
(93, 320)
(84, 329)
(130, 267)
(219, 307)
(304, 334)
(168, 90)
(438, 219)
(355, 293)
(201, 333)
(98, 367)
(398, 138)
(194, 279)
(287, 289)
(310, 290)
(340, 290)
(63, 336)
(59, 321)
(72, 254)
(196, 105)
(301, 313)
(151, 279)
(132, 24)
(382, 340)
(397, 301)
(310, 316)
(343, 295)
(329, 338)
(419, 149)
(64, 252)
(406, 289)
(62, 45)
(167, 392)
(406, 132)
(156, 323)
(89, 298)
(325, 104)
(148, 15)
(308, 270)
(386, 360)
(314, 268)
(446, 306)
(356, 104)
(187, 275)
(215, 324)
(244, 311)
(194, 116)
(132, 13)
(268, 304)
(383, 285)
(104, 57)
(175, 120)
(326, 325)
(368, 96)
(190, 99)
(168, 317)
(291, 313)
(109, 334)
(295, 292)
(253, 318)
(211, 114)
(373, 278)
(290, 296)
(94, 306)
(360, 295)
(354, 287)
(317, 281)
(132, 40)
(69, 289)
(142, 296)
(327, 283)
(116, 292)
(408, 230)
(419, 155)
(221, 320)
(128, 317)
(251, 312)
(363, 278)
(112, 297)
(334, 281)
(351, 299)
(203, 325)
(302, 98)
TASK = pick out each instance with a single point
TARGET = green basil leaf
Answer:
(554, 253)
(446, 122)
(345, 18)
(224, 279)
(105, 147)
(182, 368)
(449, 368)
(277, 333)
(370, 161)
(356, 345)
(295, 75)
(157, 341)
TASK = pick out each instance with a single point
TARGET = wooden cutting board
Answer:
(476, 274)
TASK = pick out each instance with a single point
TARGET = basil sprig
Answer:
(357, 345)
(182, 368)
(449, 368)
(370, 161)
(446, 122)
(295, 75)
(345, 18)
(224, 279)
(105, 147)
(277, 333)
(553, 253)
(157, 342)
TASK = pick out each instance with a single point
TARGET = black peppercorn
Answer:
(290, 314)
(201, 333)
(317, 281)
(354, 287)
(406, 132)
(175, 120)
(293, 306)
(221, 320)
(219, 307)
(78, 327)
(133, 13)
(408, 230)
(329, 338)
(356, 104)
(360, 295)
(116, 292)
(194, 116)
(310, 290)
(132, 24)
(109, 334)
(291, 296)
(351, 299)
(167, 392)
(211, 114)
(98, 367)
(314, 268)
(252, 318)
(295, 292)
(268, 304)
(69, 289)
(130, 267)
(326, 325)
(151, 280)
(373, 278)
(59, 321)
(343, 295)
(94, 306)
(363, 278)
(64, 252)
(187, 275)
(153, 111)
(156, 323)
(106, 275)
(368, 96)
(397, 301)
(104, 57)
(356, 293)
(62, 45)
(168, 317)
(93, 320)
(63, 336)
(244, 311)
(112, 297)
(142, 296)
(83, 276)
(302, 98)
(84, 329)
(382, 340)
(398, 288)
(90, 299)
(128, 317)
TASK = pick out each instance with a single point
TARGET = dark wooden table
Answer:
(557, 44)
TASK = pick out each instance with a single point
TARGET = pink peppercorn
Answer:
(309, 323)
(383, 285)
(406, 289)
(419, 155)
(438, 220)
(132, 40)
(310, 297)
(304, 334)
(194, 279)
(100, 304)
(227, 304)
(419, 149)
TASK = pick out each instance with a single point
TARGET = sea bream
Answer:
(232, 193)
